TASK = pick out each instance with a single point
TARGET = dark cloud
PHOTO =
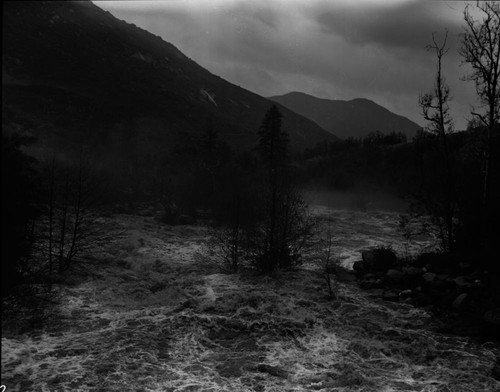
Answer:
(329, 49)
(403, 25)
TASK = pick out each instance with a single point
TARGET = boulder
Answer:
(412, 271)
(380, 259)
(395, 275)
(436, 262)
(359, 268)
(491, 324)
(429, 277)
(422, 299)
(406, 294)
(462, 283)
(443, 277)
(460, 302)
(426, 259)
(442, 291)
(392, 296)
(492, 318)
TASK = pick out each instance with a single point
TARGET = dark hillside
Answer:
(355, 118)
(70, 64)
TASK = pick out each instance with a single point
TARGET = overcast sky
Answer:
(342, 49)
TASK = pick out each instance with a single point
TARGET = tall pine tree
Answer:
(281, 202)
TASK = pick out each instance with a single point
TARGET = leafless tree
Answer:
(436, 110)
(481, 50)
(73, 224)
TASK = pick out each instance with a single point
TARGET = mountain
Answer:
(355, 118)
(73, 74)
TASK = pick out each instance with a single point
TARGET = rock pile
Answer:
(456, 292)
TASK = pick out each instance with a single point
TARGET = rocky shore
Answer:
(463, 296)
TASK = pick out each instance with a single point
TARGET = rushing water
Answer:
(159, 316)
(354, 230)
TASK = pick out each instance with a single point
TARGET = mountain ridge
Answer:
(354, 118)
(125, 73)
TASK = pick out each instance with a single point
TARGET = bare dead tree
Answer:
(73, 224)
(435, 104)
(436, 110)
(481, 50)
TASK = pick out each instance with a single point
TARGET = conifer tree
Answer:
(285, 210)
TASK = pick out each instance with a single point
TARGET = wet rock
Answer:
(359, 268)
(412, 271)
(186, 220)
(462, 327)
(443, 277)
(491, 319)
(462, 283)
(379, 259)
(406, 294)
(460, 302)
(436, 262)
(272, 370)
(426, 259)
(392, 296)
(429, 277)
(442, 291)
(189, 303)
(395, 275)
(422, 299)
